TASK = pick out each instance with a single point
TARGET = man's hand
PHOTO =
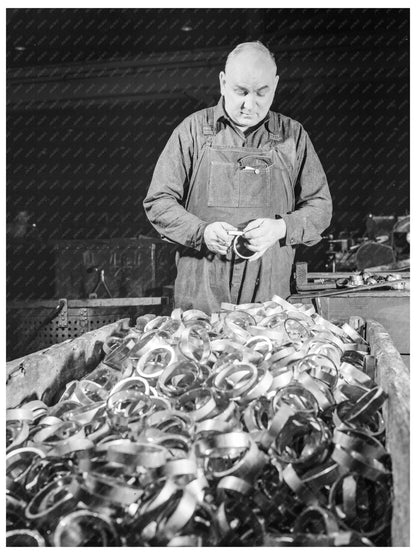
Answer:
(216, 237)
(263, 233)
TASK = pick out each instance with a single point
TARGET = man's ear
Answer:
(222, 82)
(276, 81)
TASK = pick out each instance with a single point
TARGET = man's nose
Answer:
(249, 102)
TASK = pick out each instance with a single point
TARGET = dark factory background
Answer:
(93, 95)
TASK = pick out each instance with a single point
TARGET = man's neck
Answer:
(243, 129)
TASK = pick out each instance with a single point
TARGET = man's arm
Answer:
(313, 208)
(164, 201)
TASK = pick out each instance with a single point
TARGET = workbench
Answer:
(389, 307)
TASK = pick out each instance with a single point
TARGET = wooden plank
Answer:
(393, 376)
(43, 374)
(87, 303)
(366, 293)
(399, 285)
(27, 305)
(338, 275)
(380, 294)
(60, 244)
(317, 285)
(113, 303)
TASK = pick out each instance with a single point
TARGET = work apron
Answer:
(235, 185)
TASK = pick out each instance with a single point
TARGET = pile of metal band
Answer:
(259, 425)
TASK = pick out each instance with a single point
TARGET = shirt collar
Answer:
(221, 115)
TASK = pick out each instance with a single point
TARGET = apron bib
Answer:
(236, 185)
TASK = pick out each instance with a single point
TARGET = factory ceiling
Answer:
(43, 37)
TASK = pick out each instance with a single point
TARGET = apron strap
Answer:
(208, 127)
(275, 135)
(208, 131)
(275, 141)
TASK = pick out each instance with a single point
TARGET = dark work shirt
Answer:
(164, 201)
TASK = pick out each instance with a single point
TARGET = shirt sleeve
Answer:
(313, 203)
(164, 203)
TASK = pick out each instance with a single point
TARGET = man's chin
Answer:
(247, 121)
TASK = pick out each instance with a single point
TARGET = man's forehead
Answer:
(248, 66)
(245, 77)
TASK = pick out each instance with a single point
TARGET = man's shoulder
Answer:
(279, 123)
(193, 124)
(197, 117)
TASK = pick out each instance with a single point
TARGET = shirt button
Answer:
(292, 241)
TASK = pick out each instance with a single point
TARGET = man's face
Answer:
(248, 87)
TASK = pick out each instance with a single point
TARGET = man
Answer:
(238, 166)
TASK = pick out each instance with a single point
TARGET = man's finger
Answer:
(253, 234)
(227, 226)
(255, 248)
(255, 224)
(224, 236)
(254, 243)
(221, 249)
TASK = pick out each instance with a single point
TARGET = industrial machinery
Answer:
(385, 246)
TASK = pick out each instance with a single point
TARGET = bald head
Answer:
(248, 83)
(252, 51)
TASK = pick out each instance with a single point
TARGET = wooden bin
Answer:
(393, 376)
(389, 308)
(43, 374)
